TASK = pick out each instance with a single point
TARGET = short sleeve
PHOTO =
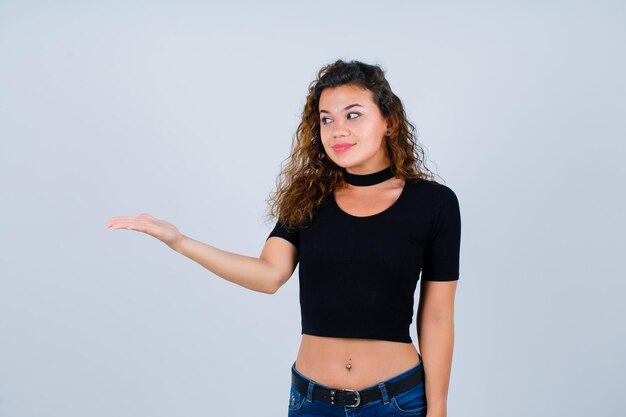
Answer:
(441, 256)
(290, 235)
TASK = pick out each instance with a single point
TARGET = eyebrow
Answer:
(346, 108)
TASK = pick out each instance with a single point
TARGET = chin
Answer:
(343, 164)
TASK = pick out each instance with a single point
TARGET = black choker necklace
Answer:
(368, 179)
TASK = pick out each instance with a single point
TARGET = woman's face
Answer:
(353, 129)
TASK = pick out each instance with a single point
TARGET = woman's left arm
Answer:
(435, 333)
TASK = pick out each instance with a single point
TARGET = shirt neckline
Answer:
(388, 209)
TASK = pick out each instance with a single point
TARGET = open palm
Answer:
(160, 229)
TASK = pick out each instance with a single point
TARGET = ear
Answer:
(392, 124)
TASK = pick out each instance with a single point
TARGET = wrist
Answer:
(180, 244)
(437, 409)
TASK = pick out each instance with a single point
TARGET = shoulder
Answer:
(432, 192)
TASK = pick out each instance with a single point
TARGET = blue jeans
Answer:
(408, 403)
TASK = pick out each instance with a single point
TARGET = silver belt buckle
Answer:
(358, 398)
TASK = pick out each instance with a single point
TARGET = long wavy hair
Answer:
(309, 177)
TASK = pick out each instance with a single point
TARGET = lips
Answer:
(340, 147)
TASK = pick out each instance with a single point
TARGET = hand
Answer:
(160, 229)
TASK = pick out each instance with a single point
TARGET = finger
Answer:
(125, 223)
(132, 223)
(120, 218)
(127, 226)
(121, 225)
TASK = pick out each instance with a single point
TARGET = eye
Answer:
(349, 118)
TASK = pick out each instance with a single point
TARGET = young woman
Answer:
(363, 216)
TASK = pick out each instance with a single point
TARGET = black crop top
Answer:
(358, 275)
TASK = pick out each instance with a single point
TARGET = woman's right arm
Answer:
(266, 274)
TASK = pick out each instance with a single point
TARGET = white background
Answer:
(186, 110)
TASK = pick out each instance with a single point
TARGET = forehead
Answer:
(336, 98)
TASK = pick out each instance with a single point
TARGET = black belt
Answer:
(352, 398)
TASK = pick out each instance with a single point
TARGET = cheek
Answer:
(325, 137)
(371, 131)
(325, 145)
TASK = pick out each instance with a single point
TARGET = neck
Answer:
(368, 179)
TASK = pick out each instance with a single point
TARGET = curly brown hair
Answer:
(310, 176)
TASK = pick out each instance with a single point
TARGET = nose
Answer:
(340, 130)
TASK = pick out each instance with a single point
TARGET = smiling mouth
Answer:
(344, 147)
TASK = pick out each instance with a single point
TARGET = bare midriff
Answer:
(346, 363)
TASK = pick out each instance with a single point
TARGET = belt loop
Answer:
(383, 391)
(309, 394)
